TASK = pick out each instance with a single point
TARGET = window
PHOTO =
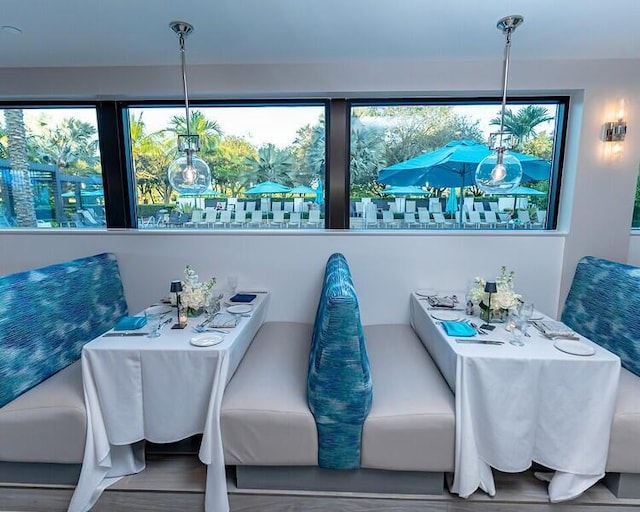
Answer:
(267, 163)
(398, 183)
(50, 170)
(635, 223)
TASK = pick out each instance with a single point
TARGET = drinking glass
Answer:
(153, 322)
(519, 318)
(232, 282)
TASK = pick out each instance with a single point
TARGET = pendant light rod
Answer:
(183, 29)
(507, 24)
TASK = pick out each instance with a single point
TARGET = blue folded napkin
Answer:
(243, 297)
(130, 323)
(458, 329)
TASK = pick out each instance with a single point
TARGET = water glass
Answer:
(232, 282)
(153, 322)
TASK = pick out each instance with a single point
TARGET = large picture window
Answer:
(413, 165)
(50, 171)
(267, 164)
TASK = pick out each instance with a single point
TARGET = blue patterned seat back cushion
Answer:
(339, 388)
(604, 304)
(48, 314)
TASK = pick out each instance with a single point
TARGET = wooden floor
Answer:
(176, 483)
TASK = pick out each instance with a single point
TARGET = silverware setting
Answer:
(480, 341)
(123, 333)
(478, 329)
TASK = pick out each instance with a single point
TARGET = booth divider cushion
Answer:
(339, 387)
(48, 314)
(603, 305)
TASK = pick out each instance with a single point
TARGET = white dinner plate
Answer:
(158, 310)
(238, 309)
(575, 347)
(427, 292)
(207, 339)
(447, 316)
(537, 317)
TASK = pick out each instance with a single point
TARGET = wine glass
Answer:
(519, 318)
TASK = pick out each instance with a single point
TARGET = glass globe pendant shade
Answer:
(189, 174)
(498, 173)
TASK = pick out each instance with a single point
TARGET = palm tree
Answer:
(208, 131)
(20, 178)
(72, 146)
(522, 125)
(271, 164)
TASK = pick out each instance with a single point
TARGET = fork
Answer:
(478, 329)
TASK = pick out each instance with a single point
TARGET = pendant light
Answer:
(187, 174)
(501, 172)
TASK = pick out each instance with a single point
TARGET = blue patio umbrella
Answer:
(411, 190)
(303, 190)
(454, 165)
(268, 187)
(523, 191)
(452, 202)
(320, 193)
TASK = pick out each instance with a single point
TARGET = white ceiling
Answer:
(58, 33)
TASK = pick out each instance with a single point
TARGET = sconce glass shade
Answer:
(189, 174)
(498, 173)
(491, 287)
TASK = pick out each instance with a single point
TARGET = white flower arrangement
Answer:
(503, 299)
(195, 293)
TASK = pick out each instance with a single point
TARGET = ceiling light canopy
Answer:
(501, 172)
(188, 174)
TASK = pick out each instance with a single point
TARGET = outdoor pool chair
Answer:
(240, 218)
(490, 219)
(523, 217)
(276, 205)
(314, 219)
(410, 206)
(265, 204)
(294, 219)
(288, 206)
(541, 218)
(256, 219)
(424, 218)
(250, 206)
(388, 220)
(224, 220)
(493, 206)
(197, 217)
(474, 220)
(210, 217)
(278, 219)
(240, 206)
(440, 220)
(89, 219)
(410, 220)
(359, 209)
(370, 216)
(478, 206)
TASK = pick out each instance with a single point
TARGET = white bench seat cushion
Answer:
(624, 446)
(411, 425)
(48, 422)
(265, 417)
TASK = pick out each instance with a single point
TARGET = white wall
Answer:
(385, 267)
(634, 250)
(595, 215)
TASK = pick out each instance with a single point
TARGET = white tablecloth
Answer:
(162, 390)
(515, 405)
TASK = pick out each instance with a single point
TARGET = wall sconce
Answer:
(614, 132)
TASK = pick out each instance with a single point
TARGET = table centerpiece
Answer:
(195, 293)
(501, 301)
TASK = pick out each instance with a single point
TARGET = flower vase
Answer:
(498, 316)
(193, 312)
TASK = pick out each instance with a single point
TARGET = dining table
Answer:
(516, 405)
(160, 389)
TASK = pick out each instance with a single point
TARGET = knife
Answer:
(480, 341)
(443, 308)
(110, 334)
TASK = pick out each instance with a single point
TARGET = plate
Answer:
(158, 310)
(447, 316)
(238, 309)
(537, 317)
(207, 339)
(427, 292)
(574, 347)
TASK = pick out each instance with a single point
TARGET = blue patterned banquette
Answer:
(48, 314)
(604, 304)
(339, 388)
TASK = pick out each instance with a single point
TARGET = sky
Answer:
(260, 125)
